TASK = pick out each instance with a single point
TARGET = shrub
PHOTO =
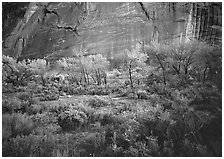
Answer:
(24, 96)
(56, 107)
(44, 118)
(48, 93)
(142, 94)
(93, 144)
(7, 88)
(128, 93)
(148, 148)
(71, 119)
(86, 109)
(16, 124)
(45, 145)
(97, 103)
(103, 117)
(116, 89)
(19, 102)
(10, 105)
(15, 73)
(34, 109)
(207, 99)
(45, 129)
(50, 97)
(190, 149)
(68, 89)
(97, 90)
(26, 100)
(21, 89)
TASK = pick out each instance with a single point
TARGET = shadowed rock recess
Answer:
(56, 30)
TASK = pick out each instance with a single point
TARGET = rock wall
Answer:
(55, 30)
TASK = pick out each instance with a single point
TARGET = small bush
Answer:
(97, 103)
(49, 93)
(44, 118)
(141, 149)
(10, 105)
(56, 107)
(142, 94)
(68, 89)
(34, 109)
(97, 90)
(71, 119)
(117, 88)
(27, 100)
(45, 145)
(16, 124)
(50, 128)
(103, 117)
(93, 144)
(25, 96)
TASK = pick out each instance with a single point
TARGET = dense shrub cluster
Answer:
(16, 124)
(145, 131)
(161, 100)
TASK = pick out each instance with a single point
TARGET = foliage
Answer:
(72, 66)
(40, 145)
(16, 124)
(38, 67)
(11, 105)
(68, 89)
(14, 73)
(185, 62)
(20, 102)
(134, 64)
(48, 92)
(87, 68)
(173, 107)
(21, 73)
(97, 90)
(71, 119)
(97, 103)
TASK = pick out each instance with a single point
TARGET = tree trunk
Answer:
(80, 81)
(84, 75)
(87, 76)
(105, 80)
(204, 74)
(130, 76)
(163, 68)
(99, 77)
(43, 80)
(104, 77)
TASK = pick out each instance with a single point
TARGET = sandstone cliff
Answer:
(55, 30)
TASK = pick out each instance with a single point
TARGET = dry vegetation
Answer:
(157, 100)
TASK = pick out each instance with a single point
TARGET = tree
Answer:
(72, 66)
(182, 62)
(38, 67)
(84, 67)
(134, 62)
(13, 72)
(97, 64)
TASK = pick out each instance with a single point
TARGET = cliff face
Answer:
(55, 30)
